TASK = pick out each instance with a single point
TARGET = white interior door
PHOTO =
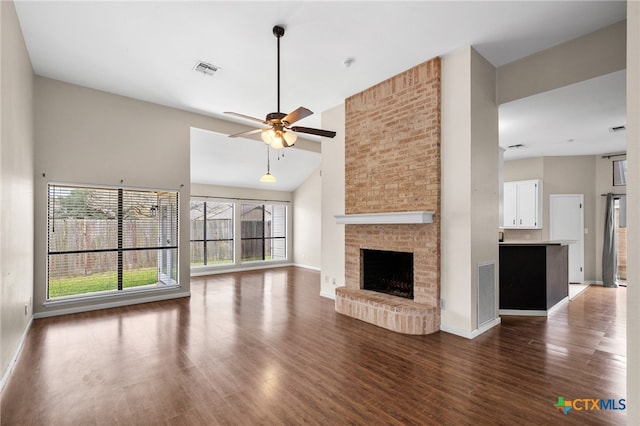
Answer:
(566, 222)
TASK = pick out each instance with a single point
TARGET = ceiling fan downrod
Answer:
(278, 31)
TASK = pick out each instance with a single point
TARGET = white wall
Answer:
(87, 136)
(333, 193)
(469, 185)
(307, 221)
(16, 187)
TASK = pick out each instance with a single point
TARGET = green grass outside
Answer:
(104, 281)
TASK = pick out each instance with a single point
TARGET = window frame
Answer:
(206, 240)
(239, 263)
(263, 237)
(169, 252)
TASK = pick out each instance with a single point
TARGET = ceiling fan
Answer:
(279, 133)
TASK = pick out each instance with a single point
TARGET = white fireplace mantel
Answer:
(392, 218)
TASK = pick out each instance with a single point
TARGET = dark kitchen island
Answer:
(534, 276)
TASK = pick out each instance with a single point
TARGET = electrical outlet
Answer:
(326, 278)
(441, 303)
(26, 309)
(334, 281)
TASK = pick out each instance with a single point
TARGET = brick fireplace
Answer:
(392, 165)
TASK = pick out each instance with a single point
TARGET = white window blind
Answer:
(110, 240)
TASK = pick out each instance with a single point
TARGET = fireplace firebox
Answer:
(389, 272)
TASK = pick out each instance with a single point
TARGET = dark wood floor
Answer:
(264, 348)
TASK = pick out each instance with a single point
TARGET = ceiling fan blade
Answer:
(246, 117)
(247, 133)
(296, 115)
(318, 132)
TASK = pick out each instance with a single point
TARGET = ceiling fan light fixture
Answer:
(277, 135)
(268, 135)
(278, 141)
(290, 138)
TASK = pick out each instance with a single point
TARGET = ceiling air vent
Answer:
(617, 128)
(205, 68)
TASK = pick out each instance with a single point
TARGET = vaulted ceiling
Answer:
(148, 49)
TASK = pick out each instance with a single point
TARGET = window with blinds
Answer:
(211, 233)
(108, 240)
(263, 232)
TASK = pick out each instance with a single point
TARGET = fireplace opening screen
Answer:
(389, 272)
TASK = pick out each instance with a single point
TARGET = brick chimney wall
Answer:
(392, 164)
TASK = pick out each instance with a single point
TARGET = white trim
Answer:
(232, 200)
(112, 294)
(523, 312)
(558, 305)
(534, 312)
(16, 355)
(201, 272)
(471, 334)
(328, 295)
(115, 304)
(111, 186)
(313, 268)
(385, 218)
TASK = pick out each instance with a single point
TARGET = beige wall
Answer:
(16, 187)
(595, 54)
(484, 176)
(633, 205)
(604, 184)
(565, 175)
(455, 236)
(333, 194)
(307, 219)
(469, 185)
(87, 136)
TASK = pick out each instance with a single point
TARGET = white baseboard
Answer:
(201, 272)
(471, 334)
(16, 355)
(523, 312)
(313, 268)
(535, 312)
(114, 304)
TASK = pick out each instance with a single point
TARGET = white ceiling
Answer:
(147, 50)
(572, 120)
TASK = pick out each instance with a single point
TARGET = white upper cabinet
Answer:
(522, 204)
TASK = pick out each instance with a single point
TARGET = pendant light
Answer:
(268, 177)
